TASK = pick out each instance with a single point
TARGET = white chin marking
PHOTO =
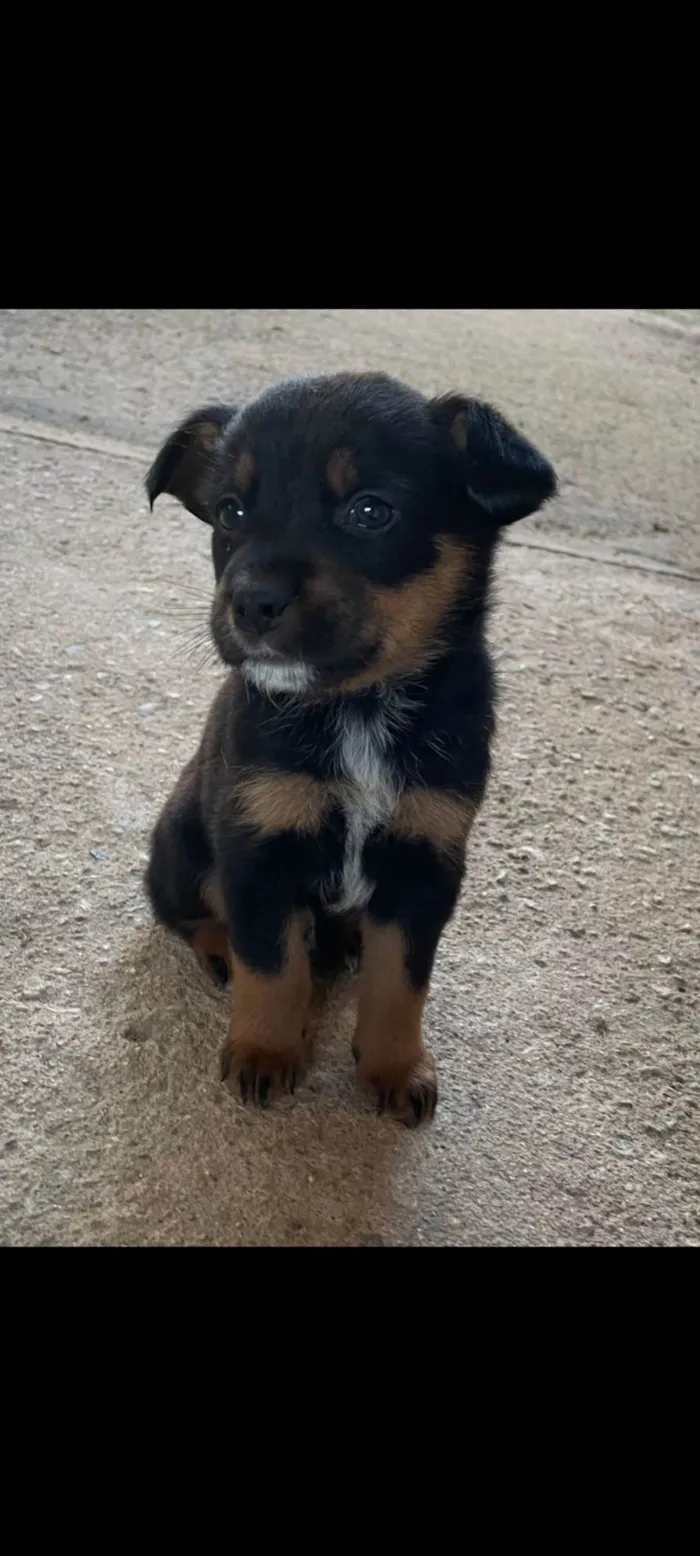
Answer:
(270, 676)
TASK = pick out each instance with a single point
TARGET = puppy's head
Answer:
(352, 523)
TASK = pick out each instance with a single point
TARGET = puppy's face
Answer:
(352, 523)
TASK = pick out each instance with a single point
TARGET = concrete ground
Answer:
(564, 1010)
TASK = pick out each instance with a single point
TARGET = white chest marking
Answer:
(363, 763)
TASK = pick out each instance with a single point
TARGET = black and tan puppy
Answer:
(345, 756)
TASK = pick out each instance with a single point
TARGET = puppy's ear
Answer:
(183, 463)
(504, 474)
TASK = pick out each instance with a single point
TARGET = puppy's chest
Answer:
(369, 779)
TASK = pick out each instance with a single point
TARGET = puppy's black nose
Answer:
(259, 607)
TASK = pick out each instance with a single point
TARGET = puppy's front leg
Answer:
(267, 1040)
(389, 1049)
(400, 934)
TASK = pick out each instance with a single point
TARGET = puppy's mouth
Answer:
(274, 673)
(288, 661)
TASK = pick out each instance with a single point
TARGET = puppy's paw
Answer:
(409, 1094)
(254, 1074)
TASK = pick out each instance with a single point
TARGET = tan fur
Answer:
(440, 816)
(267, 1038)
(391, 1056)
(389, 1008)
(410, 617)
(243, 472)
(341, 472)
(281, 802)
(270, 1011)
(324, 588)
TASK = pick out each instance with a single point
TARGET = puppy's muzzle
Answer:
(258, 608)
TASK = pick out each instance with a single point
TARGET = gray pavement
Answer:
(564, 1011)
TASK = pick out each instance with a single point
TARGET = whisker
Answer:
(209, 657)
(193, 643)
(187, 588)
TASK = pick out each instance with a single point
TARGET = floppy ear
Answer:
(183, 462)
(504, 474)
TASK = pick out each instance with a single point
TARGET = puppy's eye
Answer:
(369, 513)
(230, 512)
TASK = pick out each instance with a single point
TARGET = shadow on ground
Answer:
(317, 1166)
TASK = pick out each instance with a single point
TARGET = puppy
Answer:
(353, 526)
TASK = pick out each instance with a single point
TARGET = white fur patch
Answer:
(363, 760)
(282, 675)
